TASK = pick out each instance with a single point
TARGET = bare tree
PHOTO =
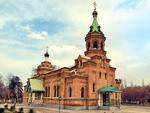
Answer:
(136, 94)
(3, 89)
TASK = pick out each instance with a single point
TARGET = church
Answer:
(89, 84)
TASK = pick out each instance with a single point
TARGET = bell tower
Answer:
(95, 39)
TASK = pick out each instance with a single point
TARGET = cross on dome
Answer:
(94, 5)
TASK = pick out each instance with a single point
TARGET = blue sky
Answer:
(27, 27)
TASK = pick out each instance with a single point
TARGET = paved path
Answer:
(124, 109)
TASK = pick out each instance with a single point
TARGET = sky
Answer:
(27, 27)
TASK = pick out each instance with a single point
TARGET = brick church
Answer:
(89, 84)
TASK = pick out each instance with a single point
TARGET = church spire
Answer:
(95, 26)
(95, 39)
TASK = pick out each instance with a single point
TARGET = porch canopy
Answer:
(35, 85)
(108, 89)
(109, 96)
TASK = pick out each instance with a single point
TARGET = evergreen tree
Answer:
(15, 88)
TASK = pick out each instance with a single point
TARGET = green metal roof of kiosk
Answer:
(35, 85)
(108, 89)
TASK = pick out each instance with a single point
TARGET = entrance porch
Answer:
(108, 97)
(35, 91)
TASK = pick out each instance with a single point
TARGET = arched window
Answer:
(54, 91)
(102, 46)
(88, 46)
(105, 76)
(95, 45)
(48, 91)
(70, 92)
(93, 87)
(45, 91)
(100, 75)
(58, 91)
(82, 92)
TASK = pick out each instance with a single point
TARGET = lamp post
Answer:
(59, 99)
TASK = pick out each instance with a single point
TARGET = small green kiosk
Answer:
(109, 96)
(35, 90)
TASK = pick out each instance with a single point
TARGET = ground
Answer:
(124, 109)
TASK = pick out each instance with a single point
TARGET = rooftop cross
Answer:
(94, 5)
(46, 48)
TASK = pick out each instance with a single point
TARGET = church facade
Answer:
(89, 84)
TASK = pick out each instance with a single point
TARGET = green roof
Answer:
(35, 85)
(108, 89)
(95, 25)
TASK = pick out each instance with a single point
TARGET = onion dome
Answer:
(95, 14)
(95, 26)
(46, 54)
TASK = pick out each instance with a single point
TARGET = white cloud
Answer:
(38, 35)
(115, 22)
(26, 28)
(43, 35)
(63, 55)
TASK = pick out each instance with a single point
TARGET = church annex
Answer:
(89, 84)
